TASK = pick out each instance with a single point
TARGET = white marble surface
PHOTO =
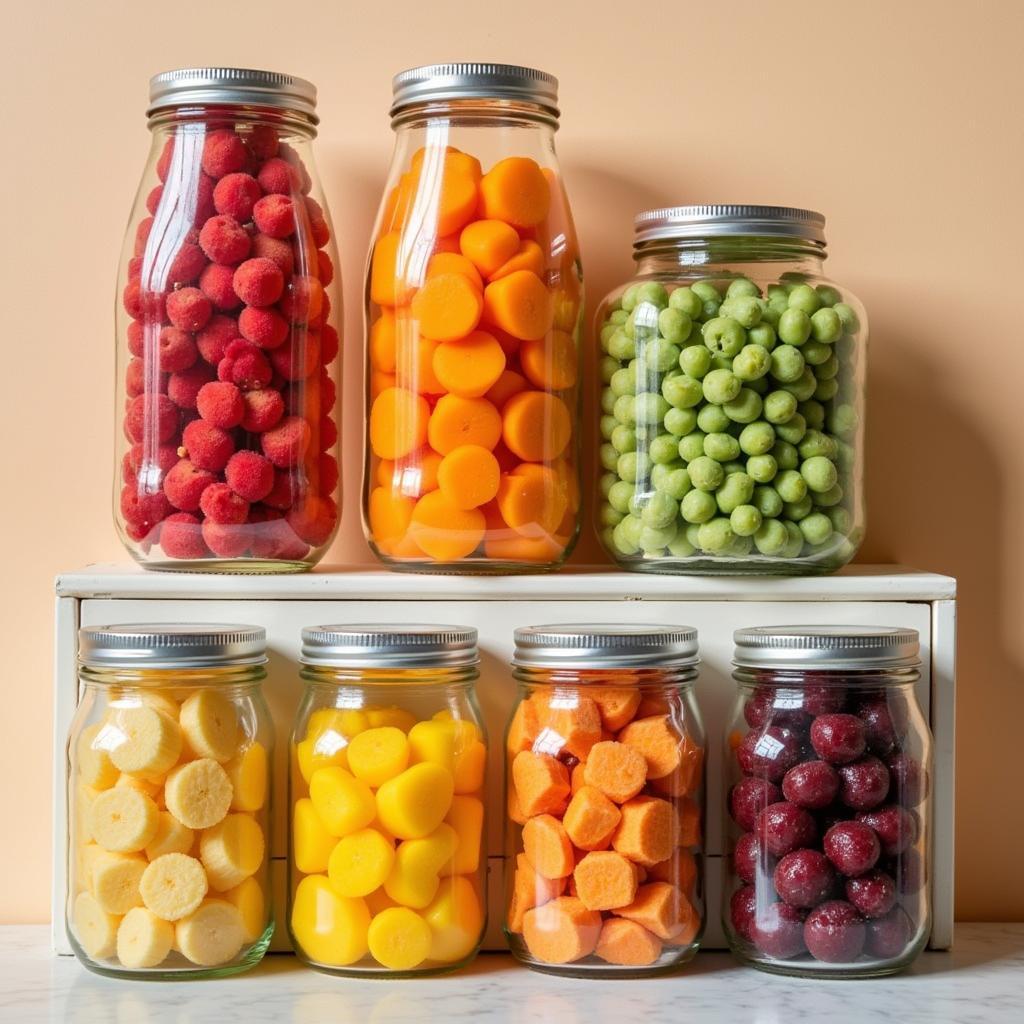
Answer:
(981, 981)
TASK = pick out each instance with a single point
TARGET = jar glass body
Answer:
(604, 821)
(388, 866)
(169, 789)
(227, 343)
(828, 822)
(724, 448)
(474, 307)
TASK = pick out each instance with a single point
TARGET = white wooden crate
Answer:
(875, 595)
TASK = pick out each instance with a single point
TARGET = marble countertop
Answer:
(981, 981)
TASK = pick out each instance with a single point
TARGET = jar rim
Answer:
(171, 645)
(827, 648)
(728, 219)
(605, 646)
(373, 645)
(213, 86)
(466, 81)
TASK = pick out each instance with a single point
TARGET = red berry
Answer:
(863, 784)
(328, 468)
(834, 933)
(823, 699)
(748, 798)
(224, 240)
(235, 195)
(889, 936)
(263, 141)
(784, 827)
(245, 365)
(142, 232)
(299, 357)
(873, 894)
(325, 268)
(163, 163)
(263, 327)
(287, 443)
(329, 345)
(278, 177)
(213, 339)
(878, 724)
(274, 215)
(144, 303)
(895, 827)
(135, 379)
(778, 931)
(314, 519)
(142, 509)
(275, 249)
(249, 475)
(186, 265)
(769, 754)
(838, 739)
(258, 282)
(804, 878)
(183, 387)
(151, 470)
(274, 538)
(220, 403)
(216, 284)
(136, 338)
(221, 505)
(813, 784)
(303, 301)
(328, 433)
(909, 871)
(317, 223)
(207, 446)
(181, 536)
(743, 911)
(151, 414)
(852, 847)
(227, 540)
(185, 483)
(328, 390)
(747, 857)
(223, 153)
(153, 199)
(177, 350)
(263, 410)
(284, 492)
(189, 309)
(909, 780)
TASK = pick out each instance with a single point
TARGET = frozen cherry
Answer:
(873, 894)
(742, 910)
(784, 827)
(838, 739)
(769, 754)
(852, 847)
(775, 707)
(878, 724)
(813, 784)
(778, 931)
(909, 871)
(889, 937)
(835, 933)
(824, 699)
(896, 827)
(748, 855)
(863, 784)
(804, 878)
(748, 798)
(909, 780)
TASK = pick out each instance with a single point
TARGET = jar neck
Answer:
(476, 114)
(796, 256)
(464, 676)
(142, 678)
(656, 676)
(753, 678)
(287, 122)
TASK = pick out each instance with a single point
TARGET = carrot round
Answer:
(457, 421)
(616, 770)
(627, 943)
(449, 157)
(658, 741)
(548, 848)
(523, 549)
(531, 500)
(550, 362)
(414, 361)
(469, 366)
(561, 931)
(380, 382)
(536, 426)
(541, 784)
(389, 514)
(469, 476)
(444, 532)
(398, 423)
(454, 263)
(382, 342)
(530, 256)
(385, 473)
(396, 208)
(447, 307)
(415, 474)
(515, 190)
(605, 880)
(489, 244)
(520, 304)
(508, 384)
(388, 285)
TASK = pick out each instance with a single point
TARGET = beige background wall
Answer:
(901, 121)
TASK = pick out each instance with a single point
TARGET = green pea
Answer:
(706, 291)
(629, 297)
(680, 422)
(686, 301)
(846, 456)
(737, 489)
(654, 540)
(720, 362)
(816, 528)
(744, 309)
(742, 286)
(705, 473)
(741, 547)
(761, 386)
(777, 291)
(771, 537)
(804, 387)
(609, 458)
(773, 314)
(797, 510)
(716, 536)
(767, 501)
(608, 399)
(663, 449)
(623, 439)
(608, 425)
(827, 370)
(826, 390)
(607, 368)
(840, 519)
(653, 292)
(795, 543)
(831, 497)
(816, 353)
(660, 355)
(625, 409)
(779, 407)
(752, 362)
(826, 326)
(790, 485)
(785, 454)
(804, 299)
(847, 317)
(813, 413)
(620, 495)
(757, 438)
(659, 510)
(633, 466)
(721, 447)
(698, 506)
(794, 326)
(762, 334)
(691, 446)
(695, 360)
(820, 474)
(787, 363)
(712, 419)
(682, 391)
(814, 442)
(621, 345)
(735, 466)
(724, 335)
(637, 502)
(609, 517)
(680, 547)
(675, 483)
(843, 421)
(606, 332)
(623, 381)
(629, 327)
(762, 468)
(607, 482)
(618, 317)
(626, 536)
(829, 296)
(721, 386)
(745, 407)
(692, 532)
(745, 520)
(675, 325)
(650, 408)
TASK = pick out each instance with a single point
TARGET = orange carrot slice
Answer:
(547, 847)
(382, 342)
(659, 742)
(447, 307)
(389, 514)
(398, 423)
(542, 783)
(444, 532)
(414, 360)
(617, 770)
(661, 908)
(617, 704)
(591, 818)
(536, 426)
(550, 362)
(488, 244)
(529, 256)
(515, 190)
(627, 944)
(456, 421)
(531, 499)
(469, 366)
(605, 880)
(648, 830)
(520, 304)
(469, 476)
(561, 931)
(388, 284)
(508, 384)
(454, 263)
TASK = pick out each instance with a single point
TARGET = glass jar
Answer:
(169, 760)
(731, 407)
(829, 760)
(474, 300)
(226, 327)
(605, 805)
(387, 862)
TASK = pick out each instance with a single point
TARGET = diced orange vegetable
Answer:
(447, 156)
(591, 818)
(651, 705)
(397, 205)
(488, 244)
(529, 256)
(388, 284)
(457, 421)
(547, 847)
(415, 474)
(398, 423)
(508, 384)
(689, 822)
(469, 366)
(550, 362)
(648, 831)
(520, 304)
(414, 360)
(561, 931)
(576, 781)
(627, 944)
(569, 722)
(679, 870)
(617, 704)
(525, 549)
(657, 739)
(515, 190)
(529, 890)
(661, 908)
(515, 812)
(389, 514)
(454, 263)
(382, 342)
(523, 728)
(531, 499)
(690, 925)
(380, 382)
(686, 778)
(447, 307)
(468, 476)
(542, 784)
(445, 532)
(617, 770)
(536, 426)
(605, 880)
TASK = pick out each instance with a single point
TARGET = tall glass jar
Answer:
(388, 866)
(474, 300)
(828, 816)
(731, 407)
(226, 442)
(169, 760)
(605, 806)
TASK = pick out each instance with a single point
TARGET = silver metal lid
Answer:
(188, 87)
(379, 645)
(827, 647)
(605, 645)
(441, 82)
(717, 221)
(171, 645)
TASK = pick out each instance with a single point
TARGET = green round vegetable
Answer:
(705, 473)
(745, 520)
(724, 336)
(698, 506)
(721, 386)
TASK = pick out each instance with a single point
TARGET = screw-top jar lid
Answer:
(605, 645)
(440, 82)
(827, 647)
(197, 87)
(716, 221)
(171, 645)
(378, 645)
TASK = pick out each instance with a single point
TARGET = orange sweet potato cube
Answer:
(523, 728)
(542, 783)
(590, 819)
(658, 740)
(562, 931)
(547, 847)
(617, 769)
(530, 890)
(648, 830)
(617, 704)
(569, 722)
(605, 880)
(661, 908)
(627, 943)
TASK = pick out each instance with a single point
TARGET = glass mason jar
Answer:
(731, 407)
(605, 806)
(169, 760)
(829, 760)
(474, 301)
(388, 866)
(226, 326)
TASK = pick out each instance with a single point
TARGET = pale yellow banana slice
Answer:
(95, 929)
(211, 936)
(83, 861)
(231, 851)
(248, 775)
(115, 879)
(95, 768)
(173, 886)
(123, 820)
(150, 741)
(198, 793)
(250, 902)
(171, 837)
(143, 940)
(210, 723)
(154, 790)
(84, 797)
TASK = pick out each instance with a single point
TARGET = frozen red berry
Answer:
(778, 931)
(303, 300)
(136, 338)
(275, 249)
(319, 229)
(245, 365)
(142, 232)
(224, 240)
(144, 509)
(823, 698)
(150, 468)
(812, 784)
(188, 309)
(838, 739)
(227, 540)
(187, 264)
(181, 537)
(863, 784)
(264, 141)
(313, 519)
(274, 215)
(185, 483)
(213, 339)
(287, 443)
(217, 283)
(873, 894)
(329, 345)
(743, 910)
(151, 414)
(328, 390)
(263, 410)
(258, 282)
(273, 538)
(144, 303)
(221, 505)
(852, 847)
(879, 727)
(769, 754)
(890, 936)
(328, 433)
(834, 933)
(249, 475)
(747, 856)
(909, 780)
(223, 153)
(748, 798)
(908, 868)
(804, 878)
(163, 162)
(298, 358)
(207, 446)
(282, 495)
(135, 378)
(784, 827)
(153, 199)
(183, 387)
(220, 403)
(325, 268)
(263, 327)
(277, 176)
(328, 470)
(235, 195)
(177, 350)
(895, 827)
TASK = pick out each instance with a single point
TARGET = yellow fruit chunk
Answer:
(455, 744)
(231, 851)
(345, 804)
(328, 750)
(414, 880)
(456, 921)
(467, 818)
(399, 939)
(212, 935)
(311, 842)
(210, 723)
(171, 837)
(123, 820)
(249, 901)
(173, 886)
(150, 741)
(360, 863)
(469, 768)
(248, 775)
(346, 722)
(94, 927)
(143, 940)
(377, 755)
(93, 756)
(84, 796)
(84, 860)
(154, 790)
(115, 878)
(379, 900)
(198, 793)
(328, 928)
(413, 804)
(397, 717)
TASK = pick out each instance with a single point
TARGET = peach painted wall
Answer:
(901, 121)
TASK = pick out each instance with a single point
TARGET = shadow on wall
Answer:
(935, 501)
